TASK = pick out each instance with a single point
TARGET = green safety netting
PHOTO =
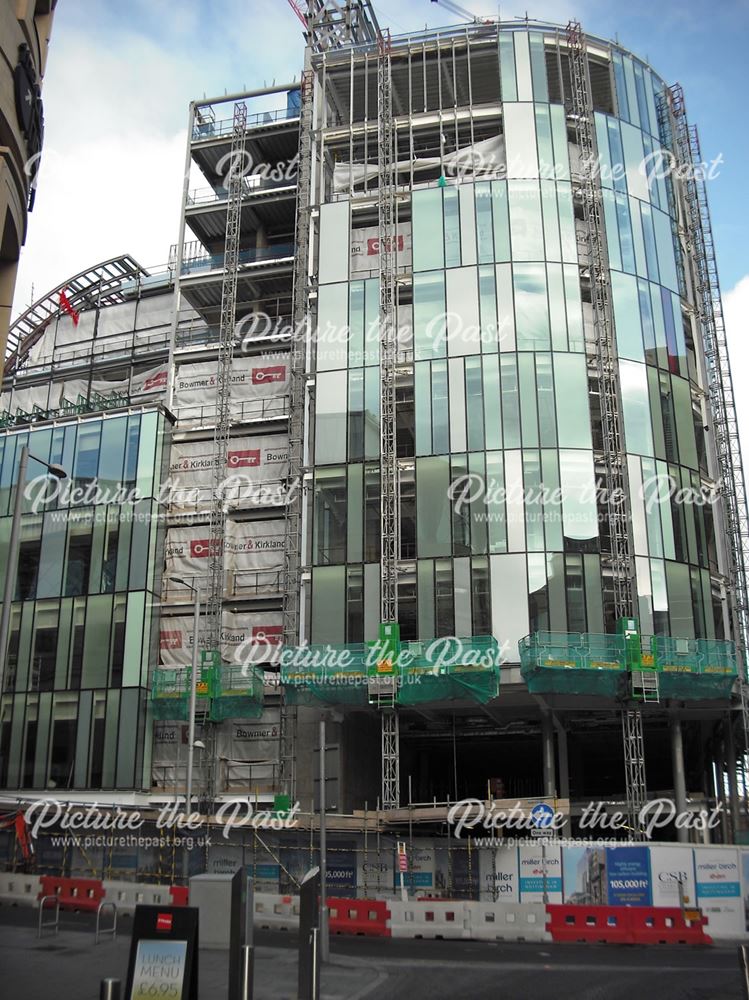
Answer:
(238, 693)
(450, 669)
(170, 691)
(694, 668)
(170, 694)
(331, 674)
(574, 663)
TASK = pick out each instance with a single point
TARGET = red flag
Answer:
(66, 307)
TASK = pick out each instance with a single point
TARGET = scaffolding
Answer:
(386, 141)
(297, 402)
(335, 23)
(329, 24)
(215, 600)
(444, 670)
(584, 663)
(704, 273)
(619, 558)
(415, 673)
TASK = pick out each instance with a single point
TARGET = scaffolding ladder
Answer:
(297, 379)
(721, 398)
(221, 432)
(329, 24)
(388, 353)
(619, 557)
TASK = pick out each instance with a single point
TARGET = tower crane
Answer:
(298, 11)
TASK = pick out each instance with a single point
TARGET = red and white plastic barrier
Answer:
(421, 918)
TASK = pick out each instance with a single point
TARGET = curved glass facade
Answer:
(499, 430)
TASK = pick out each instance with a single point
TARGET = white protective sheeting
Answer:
(486, 158)
(258, 386)
(248, 751)
(245, 638)
(151, 382)
(365, 249)
(256, 544)
(254, 470)
(118, 318)
(154, 310)
(253, 559)
(45, 396)
(186, 556)
(115, 329)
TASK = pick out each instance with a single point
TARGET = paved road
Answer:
(70, 967)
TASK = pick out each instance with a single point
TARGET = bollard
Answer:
(744, 966)
(309, 915)
(110, 989)
(246, 972)
(315, 944)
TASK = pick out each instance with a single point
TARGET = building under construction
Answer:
(434, 358)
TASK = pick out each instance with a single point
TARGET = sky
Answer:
(120, 76)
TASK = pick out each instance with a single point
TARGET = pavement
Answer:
(69, 966)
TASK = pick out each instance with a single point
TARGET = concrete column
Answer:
(733, 787)
(720, 787)
(677, 766)
(564, 769)
(547, 747)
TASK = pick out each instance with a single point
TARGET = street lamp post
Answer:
(11, 566)
(193, 692)
(324, 932)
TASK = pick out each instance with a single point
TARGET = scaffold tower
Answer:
(329, 24)
(618, 558)
(388, 349)
(297, 378)
(223, 378)
(698, 234)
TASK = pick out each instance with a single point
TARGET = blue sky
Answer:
(126, 72)
(120, 76)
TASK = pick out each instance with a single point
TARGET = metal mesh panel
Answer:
(694, 668)
(238, 693)
(331, 675)
(573, 663)
(171, 694)
(455, 670)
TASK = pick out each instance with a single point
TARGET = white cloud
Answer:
(736, 311)
(116, 95)
(109, 195)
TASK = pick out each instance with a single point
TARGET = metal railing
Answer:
(240, 583)
(103, 351)
(196, 499)
(107, 930)
(253, 184)
(253, 777)
(276, 331)
(43, 925)
(252, 583)
(253, 255)
(159, 279)
(224, 127)
(242, 411)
